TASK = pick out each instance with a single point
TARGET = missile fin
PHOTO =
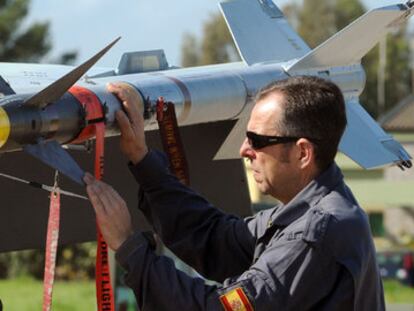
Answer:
(56, 90)
(52, 154)
(365, 142)
(5, 88)
(230, 147)
(261, 32)
(348, 46)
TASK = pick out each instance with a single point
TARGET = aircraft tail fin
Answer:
(261, 32)
(348, 46)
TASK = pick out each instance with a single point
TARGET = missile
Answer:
(63, 113)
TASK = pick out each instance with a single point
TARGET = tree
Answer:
(346, 11)
(190, 51)
(66, 58)
(216, 45)
(316, 30)
(397, 78)
(17, 44)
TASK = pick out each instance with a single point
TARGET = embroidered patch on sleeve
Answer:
(236, 300)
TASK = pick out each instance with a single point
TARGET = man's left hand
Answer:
(111, 211)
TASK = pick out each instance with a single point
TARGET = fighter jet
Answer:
(44, 111)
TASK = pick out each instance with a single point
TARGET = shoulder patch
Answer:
(236, 300)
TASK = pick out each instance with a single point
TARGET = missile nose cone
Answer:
(4, 127)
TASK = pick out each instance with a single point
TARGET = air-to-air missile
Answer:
(43, 108)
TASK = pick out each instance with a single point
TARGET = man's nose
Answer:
(246, 150)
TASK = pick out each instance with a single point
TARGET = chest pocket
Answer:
(264, 240)
(311, 231)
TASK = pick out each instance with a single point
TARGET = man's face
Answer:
(274, 167)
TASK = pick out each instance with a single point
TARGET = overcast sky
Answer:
(88, 25)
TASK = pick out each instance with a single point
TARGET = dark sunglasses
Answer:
(260, 141)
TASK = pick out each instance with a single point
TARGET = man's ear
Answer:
(306, 152)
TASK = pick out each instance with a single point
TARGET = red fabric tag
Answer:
(171, 140)
(104, 291)
(51, 248)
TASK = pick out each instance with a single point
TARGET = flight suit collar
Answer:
(307, 197)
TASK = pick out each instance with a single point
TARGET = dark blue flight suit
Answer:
(314, 253)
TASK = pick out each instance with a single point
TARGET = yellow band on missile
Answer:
(4, 127)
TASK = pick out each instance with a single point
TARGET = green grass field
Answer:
(396, 293)
(25, 294)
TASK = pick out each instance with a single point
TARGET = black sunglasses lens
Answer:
(256, 141)
(260, 141)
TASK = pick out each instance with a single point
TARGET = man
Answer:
(313, 251)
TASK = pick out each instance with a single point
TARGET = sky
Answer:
(88, 25)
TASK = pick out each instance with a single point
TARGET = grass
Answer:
(397, 293)
(26, 294)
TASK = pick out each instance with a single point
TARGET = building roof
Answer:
(401, 117)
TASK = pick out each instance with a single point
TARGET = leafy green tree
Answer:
(316, 30)
(398, 67)
(67, 58)
(346, 11)
(16, 43)
(190, 51)
(216, 45)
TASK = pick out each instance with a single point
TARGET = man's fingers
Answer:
(116, 198)
(130, 121)
(130, 98)
(105, 195)
(88, 178)
(98, 206)
(125, 125)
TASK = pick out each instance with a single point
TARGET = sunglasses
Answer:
(260, 141)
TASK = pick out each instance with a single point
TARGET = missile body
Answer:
(213, 94)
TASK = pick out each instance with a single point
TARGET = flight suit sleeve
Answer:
(289, 275)
(157, 284)
(216, 244)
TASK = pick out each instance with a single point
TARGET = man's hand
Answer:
(111, 211)
(131, 124)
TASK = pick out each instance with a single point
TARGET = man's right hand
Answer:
(111, 212)
(131, 123)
